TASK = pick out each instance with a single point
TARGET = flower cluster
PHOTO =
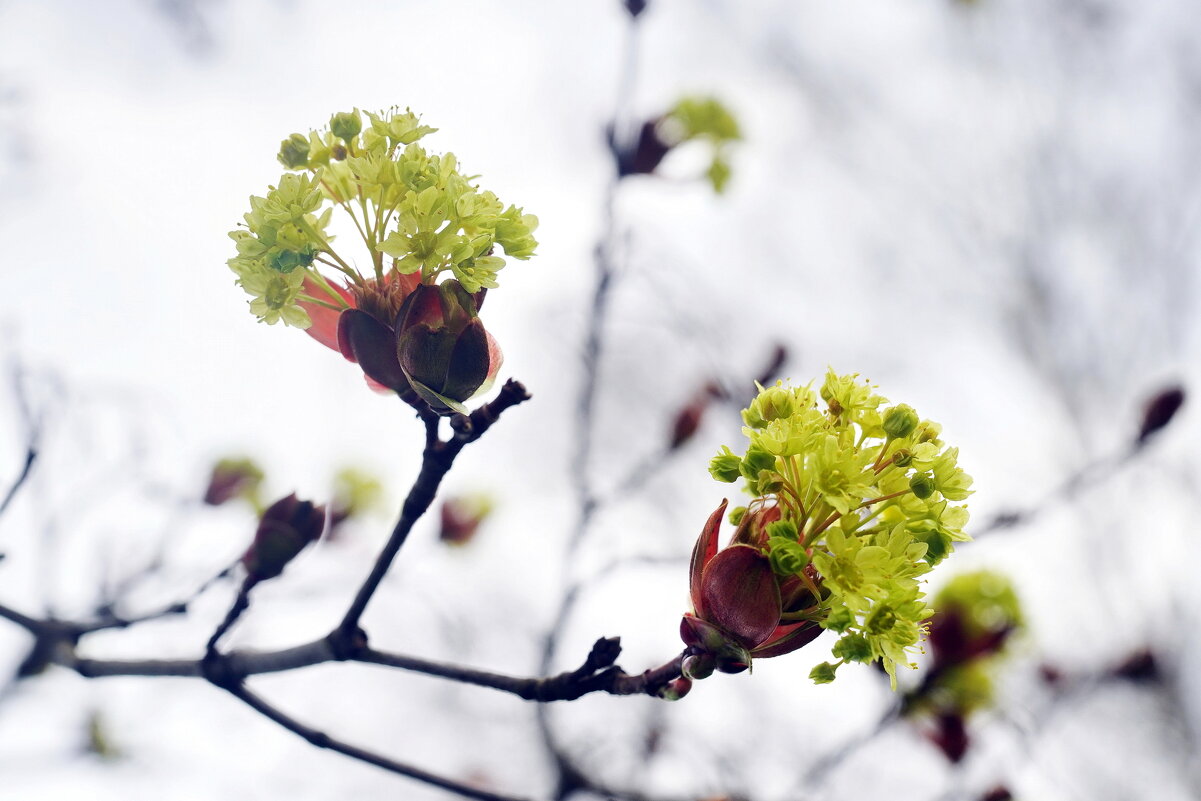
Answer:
(424, 224)
(853, 501)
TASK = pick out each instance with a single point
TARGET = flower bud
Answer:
(233, 478)
(675, 690)
(461, 518)
(787, 556)
(294, 152)
(346, 125)
(443, 348)
(285, 529)
(900, 421)
(823, 673)
(903, 457)
(698, 666)
(725, 466)
(853, 648)
(1159, 411)
(922, 485)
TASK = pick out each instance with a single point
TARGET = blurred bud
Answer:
(462, 516)
(646, 154)
(285, 529)
(354, 493)
(675, 690)
(635, 7)
(900, 421)
(233, 478)
(688, 420)
(1159, 411)
(951, 737)
(443, 348)
(294, 152)
(346, 124)
(1138, 667)
(998, 793)
(98, 742)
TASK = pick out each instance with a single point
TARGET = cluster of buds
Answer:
(852, 504)
(975, 615)
(702, 119)
(411, 319)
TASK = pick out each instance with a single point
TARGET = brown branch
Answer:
(599, 673)
(320, 739)
(437, 459)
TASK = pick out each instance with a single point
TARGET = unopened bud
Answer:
(1159, 412)
(853, 648)
(294, 151)
(902, 458)
(900, 421)
(687, 421)
(346, 125)
(823, 673)
(675, 690)
(922, 485)
(698, 666)
(725, 466)
(286, 528)
(233, 478)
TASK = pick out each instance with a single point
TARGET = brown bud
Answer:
(232, 478)
(285, 529)
(1159, 411)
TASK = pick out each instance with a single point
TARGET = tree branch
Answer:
(320, 739)
(437, 459)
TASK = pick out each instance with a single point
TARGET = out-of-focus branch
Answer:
(31, 456)
(320, 739)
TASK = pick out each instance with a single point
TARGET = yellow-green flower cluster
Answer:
(866, 495)
(415, 211)
(707, 119)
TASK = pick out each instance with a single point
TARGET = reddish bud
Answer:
(442, 346)
(232, 478)
(285, 529)
(461, 518)
(1159, 411)
(951, 737)
(688, 420)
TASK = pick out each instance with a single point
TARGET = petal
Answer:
(422, 306)
(739, 593)
(786, 639)
(702, 552)
(325, 320)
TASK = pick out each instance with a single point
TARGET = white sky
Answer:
(910, 171)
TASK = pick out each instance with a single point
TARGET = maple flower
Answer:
(853, 502)
(424, 224)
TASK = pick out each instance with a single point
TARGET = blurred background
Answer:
(988, 208)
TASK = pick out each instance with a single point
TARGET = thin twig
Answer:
(31, 456)
(320, 739)
(437, 459)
